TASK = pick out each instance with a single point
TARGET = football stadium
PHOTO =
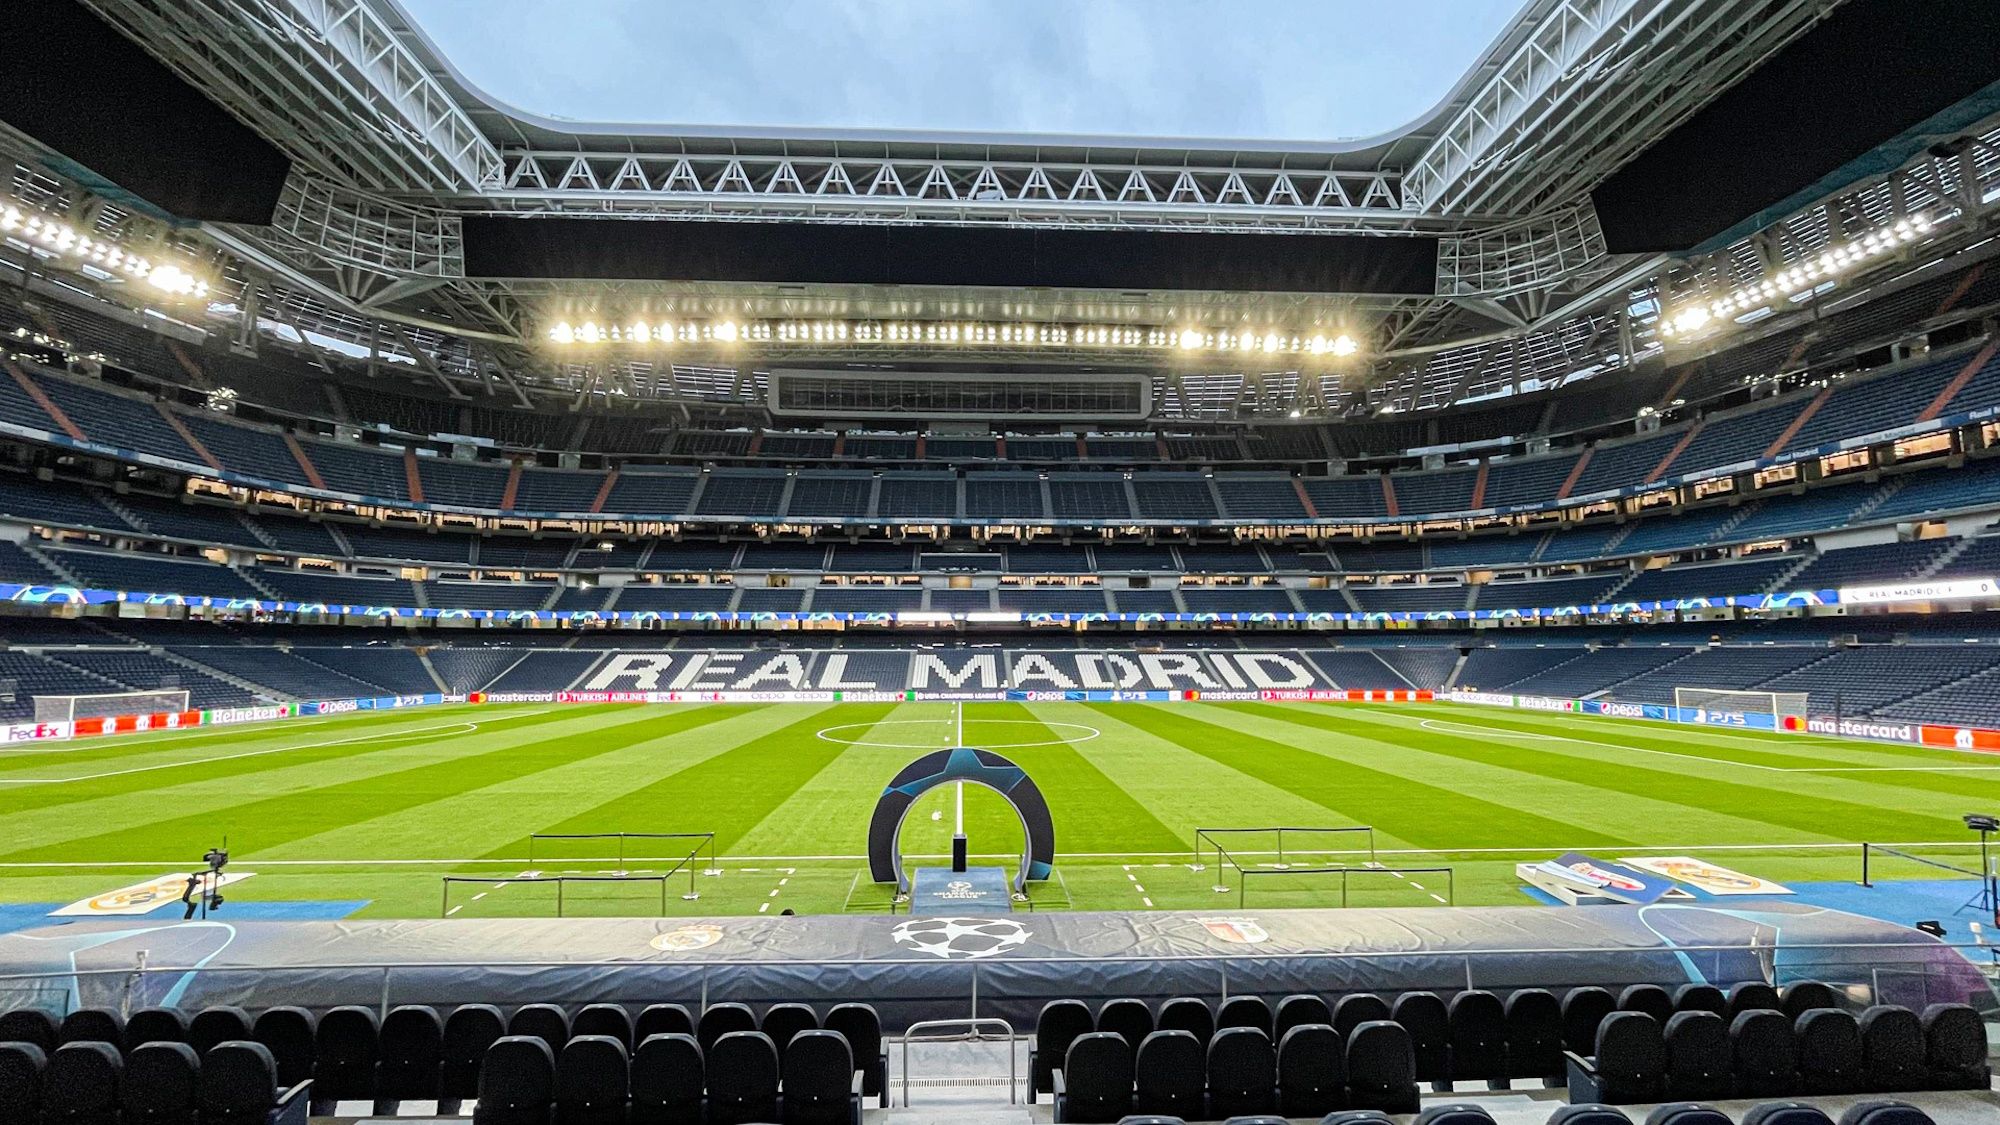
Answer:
(1495, 621)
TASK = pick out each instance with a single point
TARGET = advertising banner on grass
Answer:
(143, 898)
(1706, 877)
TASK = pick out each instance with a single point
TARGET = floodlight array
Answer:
(1787, 284)
(835, 333)
(66, 244)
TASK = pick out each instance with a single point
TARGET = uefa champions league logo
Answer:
(961, 939)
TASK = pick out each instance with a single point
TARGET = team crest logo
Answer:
(1238, 931)
(961, 939)
(687, 939)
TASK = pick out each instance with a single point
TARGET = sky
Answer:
(1301, 70)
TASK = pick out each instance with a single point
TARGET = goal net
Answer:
(69, 708)
(1780, 705)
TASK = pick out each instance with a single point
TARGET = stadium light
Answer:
(946, 334)
(78, 250)
(1794, 281)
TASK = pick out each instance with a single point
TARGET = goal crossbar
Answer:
(69, 708)
(1775, 703)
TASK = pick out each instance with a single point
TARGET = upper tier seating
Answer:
(1668, 583)
(843, 495)
(1448, 490)
(1409, 598)
(364, 472)
(1522, 481)
(398, 544)
(557, 490)
(1251, 496)
(243, 448)
(58, 504)
(110, 418)
(1863, 406)
(742, 492)
(461, 484)
(1174, 496)
(651, 492)
(1347, 497)
(154, 574)
(1881, 562)
(1080, 496)
(916, 496)
(1004, 496)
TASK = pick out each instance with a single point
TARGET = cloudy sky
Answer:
(1285, 69)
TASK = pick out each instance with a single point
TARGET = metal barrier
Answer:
(971, 1034)
(1244, 875)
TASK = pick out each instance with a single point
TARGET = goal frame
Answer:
(63, 708)
(1776, 704)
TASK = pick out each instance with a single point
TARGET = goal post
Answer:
(1780, 705)
(70, 708)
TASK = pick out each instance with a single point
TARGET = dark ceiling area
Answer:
(1872, 72)
(76, 85)
(809, 253)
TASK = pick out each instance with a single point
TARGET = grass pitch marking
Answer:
(829, 734)
(418, 734)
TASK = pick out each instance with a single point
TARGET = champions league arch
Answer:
(976, 767)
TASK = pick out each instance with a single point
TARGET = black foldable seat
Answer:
(409, 1058)
(1355, 1009)
(862, 1028)
(82, 1084)
(1381, 1068)
(1454, 1113)
(1955, 1048)
(668, 1080)
(782, 1021)
(1648, 998)
(820, 1086)
(1244, 1011)
(221, 1023)
(346, 1047)
(1357, 1117)
(1700, 998)
(1425, 1017)
(593, 1074)
(1479, 1038)
(468, 1032)
(1151, 1119)
(1589, 1113)
(1686, 1113)
(1312, 1071)
(1892, 1049)
(1242, 1072)
(662, 1019)
(517, 1082)
(742, 1071)
(155, 1025)
(718, 1020)
(1764, 1055)
(1094, 1082)
(29, 1025)
(1127, 1017)
(1534, 1035)
(291, 1035)
(1169, 1075)
(162, 1080)
(1628, 1066)
(1582, 1010)
(1700, 1065)
(1800, 997)
(1786, 1113)
(1885, 1113)
(1256, 1119)
(1830, 1055)
(239, 1086)
(603, 1019)
(1297, 1010)
(1190, 1014)
(22, 1068)
(1751, 996)
(1058, 1025)
(91, 1025)
(546, 1022)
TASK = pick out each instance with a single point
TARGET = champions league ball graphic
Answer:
(957, 939)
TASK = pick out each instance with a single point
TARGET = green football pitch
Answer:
(377, 809)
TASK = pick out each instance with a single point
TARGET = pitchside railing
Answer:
(561, 883)
(1212, 839)
(1343, 874)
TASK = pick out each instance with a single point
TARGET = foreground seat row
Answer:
(235, 1083)
(1679, 1113)
(1475, 1037)
(413, 1054)
(1763, 1054)
(670, 1080)
(1311, 1071)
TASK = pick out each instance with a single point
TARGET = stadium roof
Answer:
(1115, 69)
(328, 172)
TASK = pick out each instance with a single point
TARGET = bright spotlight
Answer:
(1344, 344)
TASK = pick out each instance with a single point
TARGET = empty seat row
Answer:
(1312, 1070)
(670, 1079)
(1474, 1037)
(1673, 1113)
(86, 1083)
(413, 1054)
(1762, 1053)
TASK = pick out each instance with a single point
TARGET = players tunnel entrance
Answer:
(982, 769)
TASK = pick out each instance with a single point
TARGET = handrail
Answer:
(972, 1024)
